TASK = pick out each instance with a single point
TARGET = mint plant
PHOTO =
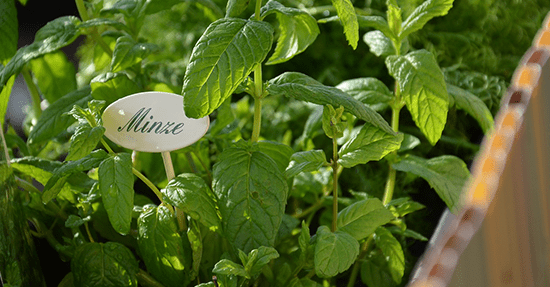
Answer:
(247, 207)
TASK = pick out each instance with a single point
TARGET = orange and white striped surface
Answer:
(501, 236)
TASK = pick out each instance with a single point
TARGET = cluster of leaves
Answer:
(249, 207)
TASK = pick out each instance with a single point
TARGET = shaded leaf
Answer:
(446, 174)
(472, 105)
(116, 186)
(363, 217)
(251, 193)
(370, 91)
(392, 251)
(234, 8)
(190, 193)
(84, 140)
(129, 52)
(55, 119)
(305, 88)
(9, 32)
(61, 174)
(306, 161)
(165, 252)
(104, 264)
(334, 252)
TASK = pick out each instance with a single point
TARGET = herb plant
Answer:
(256, 202)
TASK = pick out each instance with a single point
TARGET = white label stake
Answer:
(153, 122)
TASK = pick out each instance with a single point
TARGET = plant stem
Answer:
(356, 266)
(258, 91)
(33, 91)
(390, 182)
(145, 279)
(334, 183)
(258, 87)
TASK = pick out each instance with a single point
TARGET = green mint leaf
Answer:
(424, 13)
(55, 75)
(306, 161)
(298, 31)
(393, 15)
(415, 235)
(392, 251)
(5, 98)
(55, 119)
(222, 58)
(278, 152)
(228, 267)
(251, 193)
(129, 52)
(304, 243)
(472, 105)
(379, 44)
(258, 258)
(446, 174)
(39, 169)
(408, 207)
(84, 140)
(376, 22)
(334, 252)
(305, 88)
(76, 221)
(376, 275)
(332, 124)
(190, 193)
(363, 217)
(104, 264)
(409, 142)
(53, 36)
(116, 187)
(370, 91)
(423, 89)
(96, 22)
(112, 86)
(61, 174)
(164, 251)
(371, 143)
(348, 19)
(234, 8)
(9, 32)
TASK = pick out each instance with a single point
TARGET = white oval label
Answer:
(152, 122)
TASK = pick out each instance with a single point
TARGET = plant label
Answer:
(152, 122)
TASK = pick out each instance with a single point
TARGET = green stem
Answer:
(82, 10)
(144, 279)
(356, 265)
(334, 183)
(316, 206)
(390, 182)
(258, 87)
(33, 91)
